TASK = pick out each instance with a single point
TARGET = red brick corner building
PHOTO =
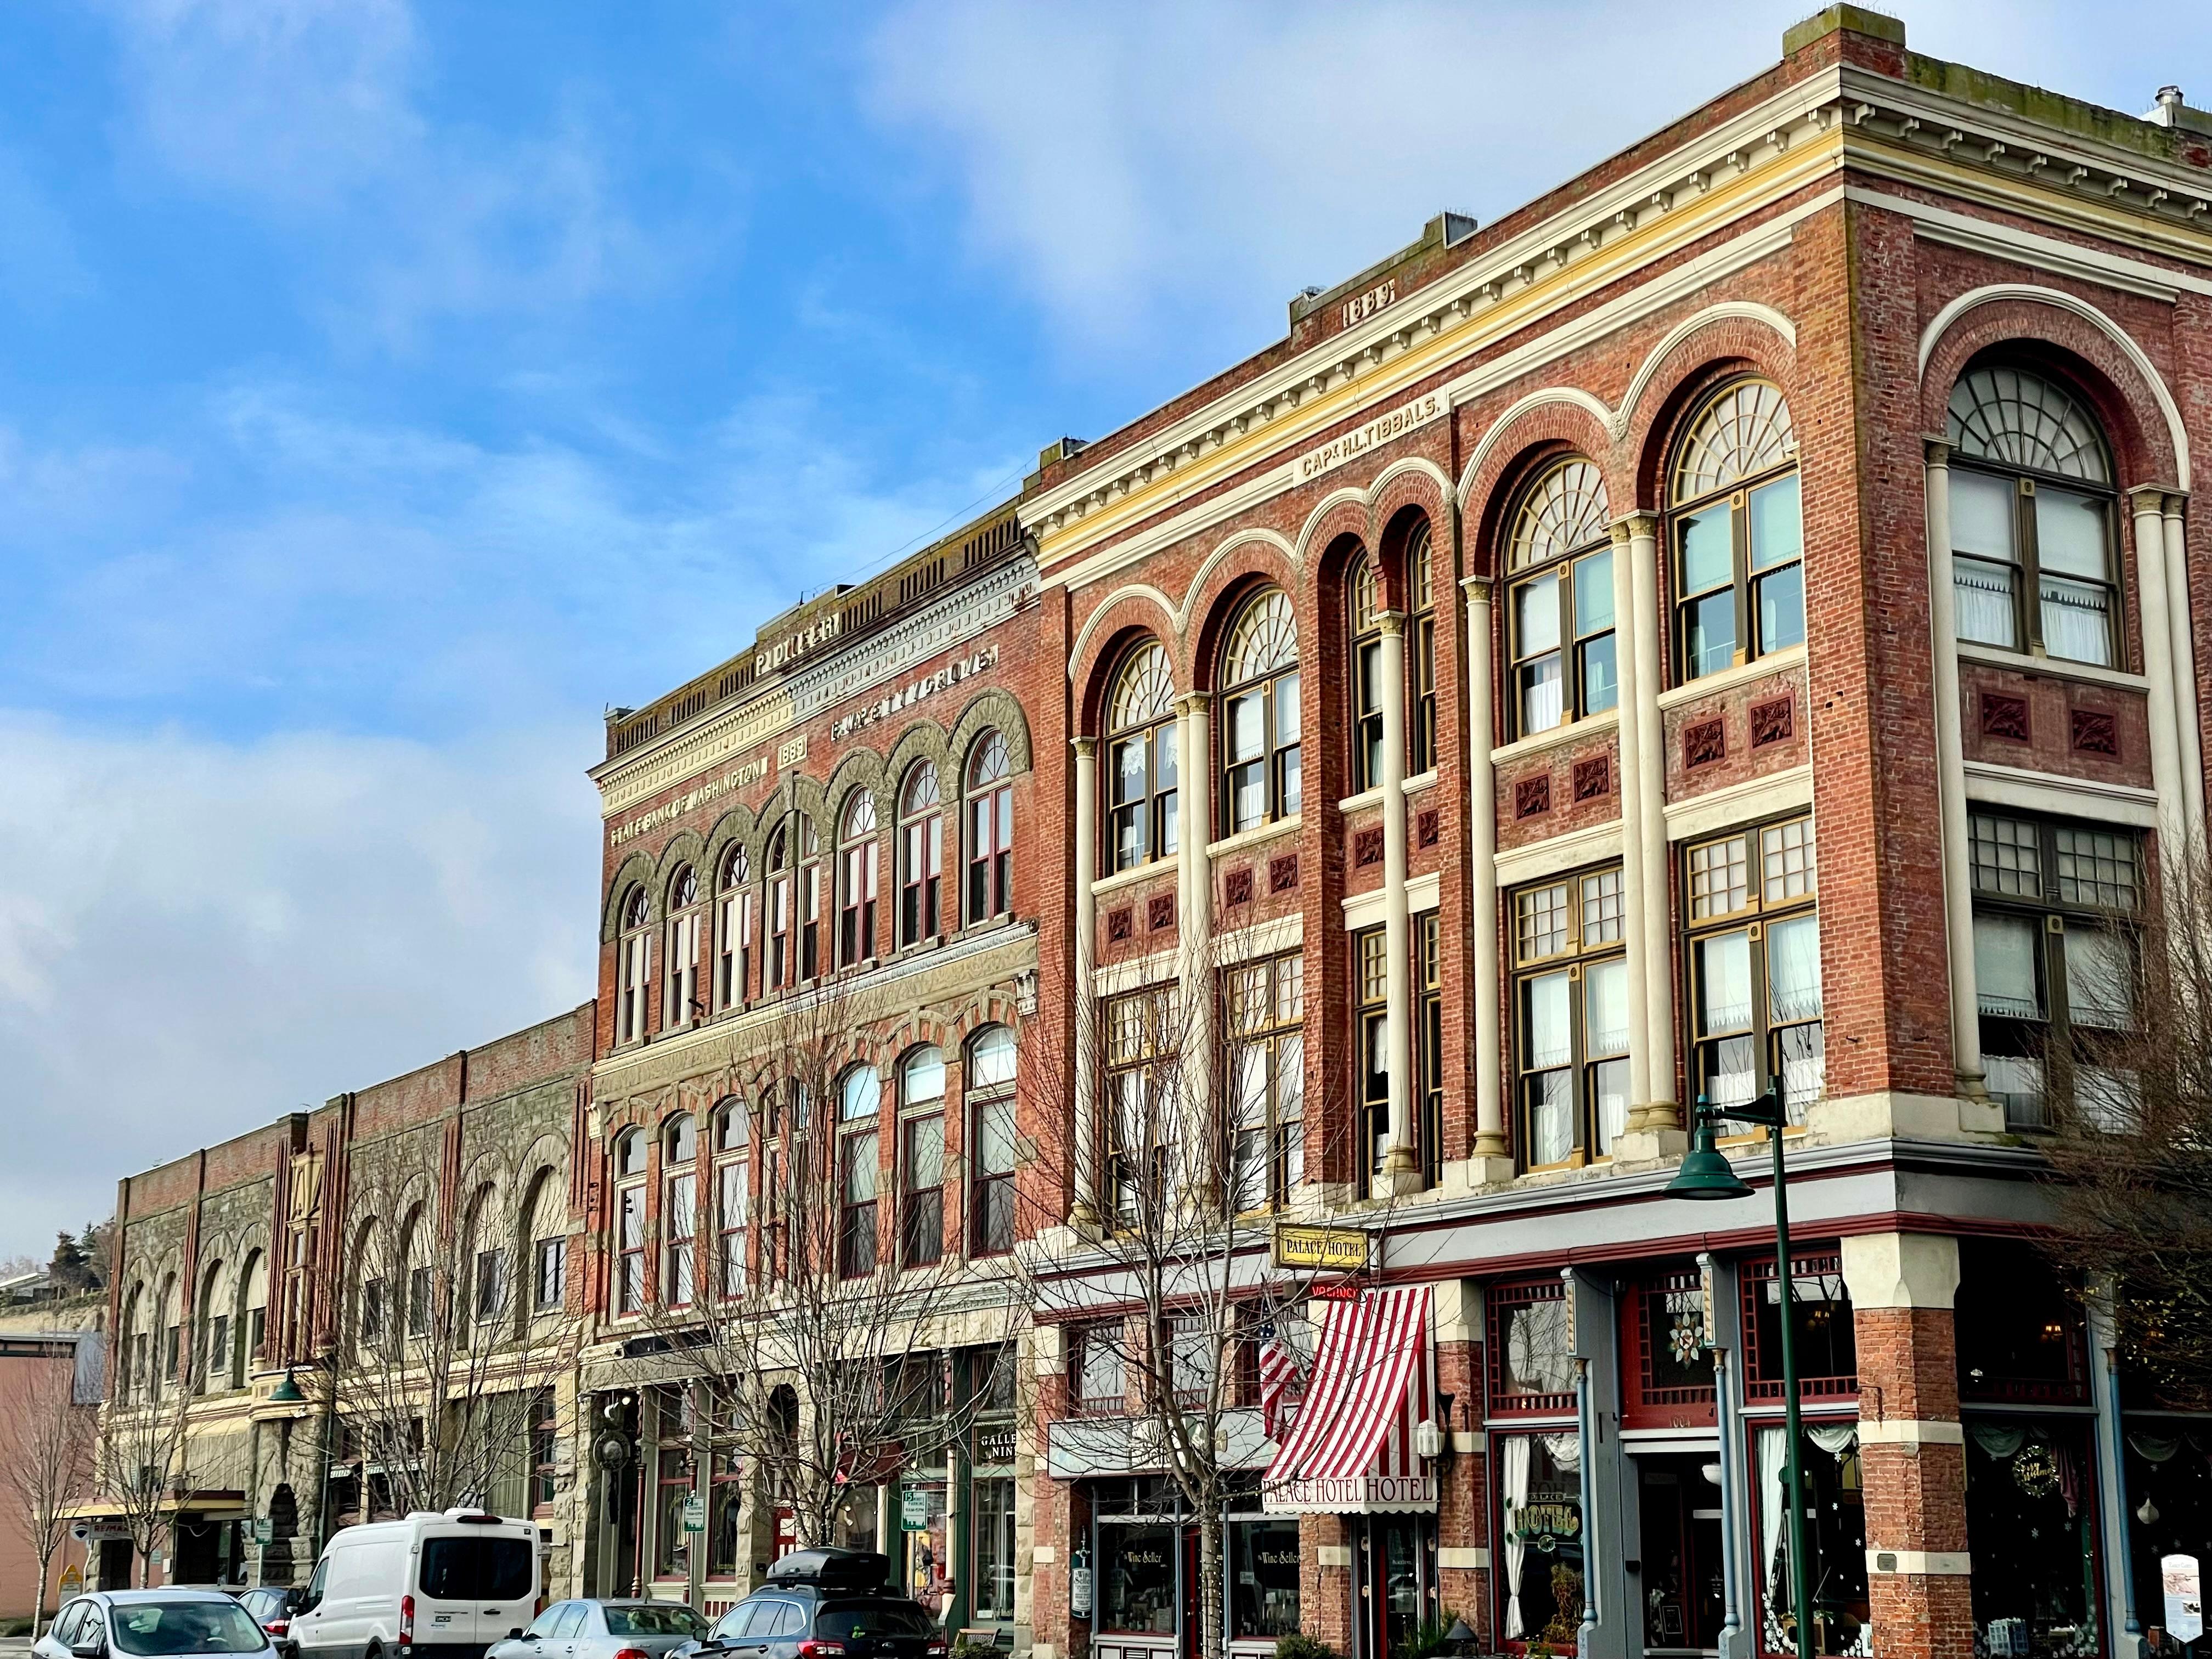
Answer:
(1732, 617)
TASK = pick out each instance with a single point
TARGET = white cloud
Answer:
(197, 937)
(1163, 165)
(309, 110)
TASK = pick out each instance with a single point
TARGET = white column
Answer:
(1628, 790)
(1083, 1003)
(1650, 837)
(1951, 781)
(1401, 1167)
(1482, 877)
(1197, 789)
(2179, 610)
(2149, 507)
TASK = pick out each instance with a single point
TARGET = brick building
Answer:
(1732, 617)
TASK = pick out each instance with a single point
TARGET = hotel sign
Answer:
(1356, 1494)
(1382, 429)
(1320, 1249)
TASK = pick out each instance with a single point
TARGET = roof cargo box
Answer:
(840, 1570)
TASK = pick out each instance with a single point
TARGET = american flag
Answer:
(1278, 1374)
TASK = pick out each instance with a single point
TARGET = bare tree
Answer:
(2129, 1097)
(441, 1368)
(1195, 1149)
(144, 1460)
(49, 1446)
(823, 1355)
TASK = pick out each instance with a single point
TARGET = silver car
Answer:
(604, 1629)
(154, 1623)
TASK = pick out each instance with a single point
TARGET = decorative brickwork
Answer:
(1532, 797)
(1160, 912)
(1236, 887)
(1367, 847)
(1283, 874)
(1593, 778)
(2004, 717)
(1121, 924)
(2093, 731)
(1428, 828)
(1772, 721)
(1704, 744)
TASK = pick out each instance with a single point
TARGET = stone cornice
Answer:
(970, 609)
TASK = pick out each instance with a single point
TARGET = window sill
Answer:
(1727, 678)
(1566, 731)
(1253, 838)
(1130, 878)
(2050, 668)
(1367, 798)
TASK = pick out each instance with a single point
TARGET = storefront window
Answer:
(1532, 1363)
(1540, 1478)
(672, 1544)
(995, 1550)
(722, 1514)
(2031, 1491)
(921, 1537)
(2169, 1503)
(1264, 1579)
(1136, 1580)
(1835, 1541)
(1827, 1351)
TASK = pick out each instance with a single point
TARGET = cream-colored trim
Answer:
(1459, 1558)
(1169, 614)
(2050, 668)
(1930, 1563)
(1540, 859)
(1135, 973)
(1366, 910)
(1588, 402)
(2177, 433)
(2051, 792)
(1914, 1432)
(2025, 247)
(1740, 803)
(1746, 310)
(1590, 725)
(1247, 838)
(1362, 801)
(1261, 938)
(1107, 885)
(1704, 685)
(1419, 781)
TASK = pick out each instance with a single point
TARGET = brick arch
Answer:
(923, 740)
(861, 768)
(1511, 451)
(1678, 382)
(1208, 612)
(734, 828)
(1136, 606)
(1096, 674)
(1341, 513)
(634, 870)
(993, 707)
(685, 847)
(2079, 354)
(989, 1007)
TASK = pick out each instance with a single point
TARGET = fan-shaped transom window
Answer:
(920, 854)
(1421, 649)
(633, 967)
(1743, 432)
(1736, 538)
(686, 946)
(1363, 593)
(1260, 713)
(1559, 615)
(2015, 417)
(1142, 779)
(737, 868)
(637, 910)
(2031, 558)
(1565, 511)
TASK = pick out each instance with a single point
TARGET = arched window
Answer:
(1260, 713)
(1560, 607)
(1141, 758)
(212, 1369)
(547, 1231)
(733, 958)
(809, 900)
(253, 1313)
(921, 855)
(1421, 650)
(1738, 542)
(1364, 587)
(686, 921)
(172, 1330)
(921, 1157)
(679, 1211)
(794, 903)
(2032, 509)
(858, 856)
(990, 829)
(134, 1371)
(414, 1276)
(732, 1191)
(987, 1090)
(859, 1098)
(486, 1251)
(634, 966)
(629, 1161)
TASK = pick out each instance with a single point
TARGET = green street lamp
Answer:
(286, 1393)
(1705, 1174)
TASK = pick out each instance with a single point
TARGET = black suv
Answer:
(826, 1604)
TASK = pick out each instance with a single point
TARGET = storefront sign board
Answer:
(1320, 1249)
(2185, 1597)
(913, 1510)
(1358, 1494)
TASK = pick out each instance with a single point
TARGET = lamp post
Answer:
(1706, 1175)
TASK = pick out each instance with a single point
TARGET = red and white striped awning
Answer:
(1351, 1451)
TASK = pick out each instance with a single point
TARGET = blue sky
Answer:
(388, 388)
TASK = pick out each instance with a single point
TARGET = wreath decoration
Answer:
(2035, 1471)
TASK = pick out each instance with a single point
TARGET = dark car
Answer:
(272, 1606)
(594, 1629)
(826, 1604)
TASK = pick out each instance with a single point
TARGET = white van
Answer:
(430, 1587)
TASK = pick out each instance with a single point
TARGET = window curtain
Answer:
(1773, 1547)
(1983, 596)
(1793, 970)
(1517, 1448)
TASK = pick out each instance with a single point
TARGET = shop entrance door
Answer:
(1394, 1584)
(1680, 1580)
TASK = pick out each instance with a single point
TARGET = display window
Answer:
(2031, 1514)
(1540, 1529)
(1835, 1539)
